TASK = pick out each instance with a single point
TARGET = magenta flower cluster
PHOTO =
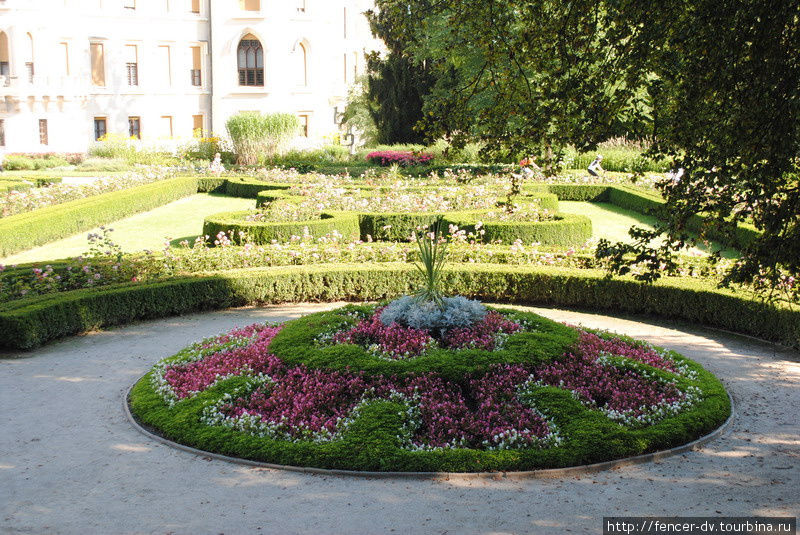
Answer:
(191, 377)
(482, 335)
(393, 341)
(594, 346)
(402, 158)
(317, 401)
(397, 341)
(613, 389)
(301, 399)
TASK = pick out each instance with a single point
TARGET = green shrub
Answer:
(237, 228)
(32, 322)
(27, 230)
(547, 201)
(131, 150)
(580, 192)
(211, 185)
(104, 165)
(18, 163)
(249, 188)
(329, 154)
(393, 226)
(565, 229)
(256, 135)
(267, 197)
(14, 184)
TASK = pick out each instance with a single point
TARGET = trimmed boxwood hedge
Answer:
(264, 198)
(565, 229)
(24, 231)
(32, 322)
(393, 226)
(371, 442)
(249, 188)
(548, 201)
(234, 224)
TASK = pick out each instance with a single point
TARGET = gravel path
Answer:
(71, 463)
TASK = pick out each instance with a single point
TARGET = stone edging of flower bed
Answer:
(549, 473)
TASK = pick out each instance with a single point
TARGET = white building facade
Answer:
(72, 71)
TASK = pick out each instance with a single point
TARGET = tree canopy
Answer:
(716, 83)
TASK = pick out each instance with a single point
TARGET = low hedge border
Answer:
(547, 201)
(24, 183)
(24, 231)
(32, 322)
(249, 188)
(267, 197)
(566, 229)
(234, 225)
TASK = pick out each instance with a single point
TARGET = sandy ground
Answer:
(71, 463)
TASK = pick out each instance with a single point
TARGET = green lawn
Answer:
(178, 220)
(612, 223)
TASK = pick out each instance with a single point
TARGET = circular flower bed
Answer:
(458, 387)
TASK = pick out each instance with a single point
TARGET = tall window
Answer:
(100, 128)
(65, 56)
(197, 125)
(195, 6)
(29, 63)
(2, 132)
(98, 64)
(197, 67)
(165, 65)
(344, 23)
(304, 122)
(301, 6)
(43, 131)
(132, 64)
(135, 127)
(5, 69)
(250, 5)
(301, 64)
(250, 57)
(166, 126)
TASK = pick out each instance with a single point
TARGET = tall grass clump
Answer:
(619, 154)
(255, 135)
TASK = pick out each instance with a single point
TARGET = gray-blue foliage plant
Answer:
(456, 312)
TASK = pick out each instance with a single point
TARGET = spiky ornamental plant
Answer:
(433, 253)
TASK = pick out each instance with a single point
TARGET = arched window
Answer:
(29, 59)
(5, 64)
(301, 64)
(250, 57)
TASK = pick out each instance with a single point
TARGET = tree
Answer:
(724, 78)
(396, 85)
(522, 76)
(395, 89)
(717, 82)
